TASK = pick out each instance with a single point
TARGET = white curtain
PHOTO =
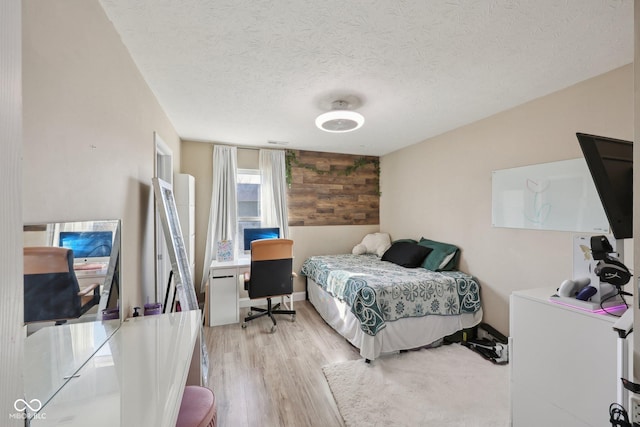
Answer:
(223, 215)
(273, 195)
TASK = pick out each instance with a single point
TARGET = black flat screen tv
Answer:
(610, 162)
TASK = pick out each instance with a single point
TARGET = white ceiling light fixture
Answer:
(340, 119)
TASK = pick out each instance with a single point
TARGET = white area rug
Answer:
(445, 386)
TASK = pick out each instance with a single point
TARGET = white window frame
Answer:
(255, 219)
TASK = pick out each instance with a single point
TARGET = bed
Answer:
(382, 307)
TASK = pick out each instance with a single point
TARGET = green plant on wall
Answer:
(291, 160)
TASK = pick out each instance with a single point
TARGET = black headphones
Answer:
(612, 271)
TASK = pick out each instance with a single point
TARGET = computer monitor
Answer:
(251, 234)
(88, 246)
(610, 162)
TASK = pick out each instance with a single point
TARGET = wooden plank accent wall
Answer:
(324, 193)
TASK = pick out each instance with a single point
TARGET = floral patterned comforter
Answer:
(380, 291)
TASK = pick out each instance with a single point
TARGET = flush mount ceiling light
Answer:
(340, 119)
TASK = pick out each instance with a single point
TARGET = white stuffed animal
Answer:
(374, 243)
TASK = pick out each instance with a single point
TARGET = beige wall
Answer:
(441, 188)
(197, 160)
(89, 120)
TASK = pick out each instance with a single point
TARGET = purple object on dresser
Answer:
(152, 308)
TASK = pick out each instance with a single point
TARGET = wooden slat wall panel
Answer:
(11, 305)
(333, 198)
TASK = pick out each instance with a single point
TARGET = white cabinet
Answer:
(223, 293)
(184, 193)
(564, 363)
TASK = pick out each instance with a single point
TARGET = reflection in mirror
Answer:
(71, 299)
(71, 272)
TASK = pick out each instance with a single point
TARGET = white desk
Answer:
(224, 306)
(135, 379)
(225, 282)
(241, 261)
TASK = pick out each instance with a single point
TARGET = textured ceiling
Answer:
(248, 72)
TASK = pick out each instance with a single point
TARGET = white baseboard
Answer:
(248, 302)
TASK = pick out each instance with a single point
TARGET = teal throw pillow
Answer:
(405, 240)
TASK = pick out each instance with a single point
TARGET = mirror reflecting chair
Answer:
(54, 353)
(271, 275)
(96, 257)
(51, 288)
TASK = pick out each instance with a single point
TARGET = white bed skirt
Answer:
(401, 334)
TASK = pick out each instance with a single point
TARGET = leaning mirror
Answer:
(71, 300)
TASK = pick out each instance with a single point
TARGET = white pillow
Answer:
(446, 259)
(374, 243)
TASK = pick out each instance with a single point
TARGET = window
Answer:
(248, 187)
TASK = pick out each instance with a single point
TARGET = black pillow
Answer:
(406, 254)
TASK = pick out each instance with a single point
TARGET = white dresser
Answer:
(564, 363)
(136, 378)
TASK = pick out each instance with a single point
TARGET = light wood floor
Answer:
(264, 379)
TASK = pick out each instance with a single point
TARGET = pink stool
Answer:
(198, 408)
